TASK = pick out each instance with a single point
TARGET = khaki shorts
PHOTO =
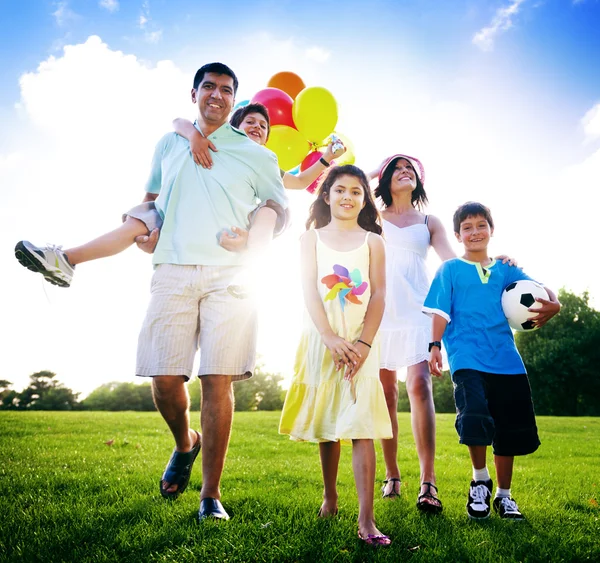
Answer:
(190, 309)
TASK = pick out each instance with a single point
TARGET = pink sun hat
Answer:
(414, 161)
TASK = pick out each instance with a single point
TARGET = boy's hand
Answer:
(148, 243)
(363, 350)
(505, 259)
(436, 362)
(545, 312)
(236, 242)
(342, 351)
(199, 147)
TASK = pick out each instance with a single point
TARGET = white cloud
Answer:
(63, 14)
(110, 5)
(591, 123)
(153, 36)
(501, 22)
(318, 54)
(142, 21)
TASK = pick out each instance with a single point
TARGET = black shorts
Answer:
(495, 409)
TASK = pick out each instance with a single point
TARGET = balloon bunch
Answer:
(302, 121)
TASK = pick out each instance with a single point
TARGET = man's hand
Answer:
(436, 362)
(147, 243)
(199, 147)
(545, 312)
(236, 242)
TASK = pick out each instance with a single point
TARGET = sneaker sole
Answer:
(32, 262)
(478, 517)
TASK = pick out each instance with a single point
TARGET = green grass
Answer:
(67, 496)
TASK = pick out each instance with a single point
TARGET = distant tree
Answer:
(562, 359)
(8, 396)
(120, 396)
(443, 394)
(45, 392)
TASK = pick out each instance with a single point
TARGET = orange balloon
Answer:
(289, 82)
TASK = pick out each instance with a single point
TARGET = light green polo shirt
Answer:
(196, 204)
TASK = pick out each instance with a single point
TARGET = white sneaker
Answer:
(50, 261)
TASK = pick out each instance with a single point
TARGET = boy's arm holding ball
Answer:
(548, 309)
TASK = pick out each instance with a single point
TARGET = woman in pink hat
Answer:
(405, 331)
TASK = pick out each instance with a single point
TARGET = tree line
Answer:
(561, 361)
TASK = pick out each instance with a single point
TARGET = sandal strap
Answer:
(392, 479)
(429, 485)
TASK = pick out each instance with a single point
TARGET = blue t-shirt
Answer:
(469, 297)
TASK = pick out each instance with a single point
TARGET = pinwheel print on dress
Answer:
(345, 285)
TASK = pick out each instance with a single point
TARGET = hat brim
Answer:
(418, 166)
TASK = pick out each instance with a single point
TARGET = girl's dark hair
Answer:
(383, 190)
(240, 114)
(320, 213)
(471, 209)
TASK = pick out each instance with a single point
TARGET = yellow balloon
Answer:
(348, 157)
(288, 144)
(315, 113)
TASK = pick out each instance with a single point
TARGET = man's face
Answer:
(214, 98)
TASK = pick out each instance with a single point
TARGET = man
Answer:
(190, 306)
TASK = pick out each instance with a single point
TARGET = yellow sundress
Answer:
(320, 406)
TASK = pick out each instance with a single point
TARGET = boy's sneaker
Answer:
(50, 261)
(479, 503)
(507, 508)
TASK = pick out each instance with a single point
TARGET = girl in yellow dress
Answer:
(336, 393)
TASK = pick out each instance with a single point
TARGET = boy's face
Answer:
(475, 233)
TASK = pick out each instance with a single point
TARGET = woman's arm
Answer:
(376, 305)
(308, 176)
(439, 239)
(342, 352)
(199, 144)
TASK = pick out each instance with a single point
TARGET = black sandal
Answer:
(179, 469)
(392, 493)
(424, 506)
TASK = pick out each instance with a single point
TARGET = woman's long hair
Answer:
(320, 212)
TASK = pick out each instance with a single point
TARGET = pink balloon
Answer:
(308, 161)
(279, 105)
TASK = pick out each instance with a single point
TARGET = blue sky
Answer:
(500, 100)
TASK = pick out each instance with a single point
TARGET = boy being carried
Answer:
(491, 388)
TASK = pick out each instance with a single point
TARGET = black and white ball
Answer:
(517, 298)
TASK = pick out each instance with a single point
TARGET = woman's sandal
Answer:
(428, 507)
(375, 541)
(393, 493)
(179, 469)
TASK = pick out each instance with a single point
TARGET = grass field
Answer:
(65, 495)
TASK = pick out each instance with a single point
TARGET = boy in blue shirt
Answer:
(491, 388)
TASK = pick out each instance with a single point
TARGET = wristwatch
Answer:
(435, 343)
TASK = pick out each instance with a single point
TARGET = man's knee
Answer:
(164, 386)
(216, 385)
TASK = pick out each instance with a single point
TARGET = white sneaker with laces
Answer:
(50, 261)
(479, 503)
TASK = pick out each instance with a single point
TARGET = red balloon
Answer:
(279, 105)
(308, 161)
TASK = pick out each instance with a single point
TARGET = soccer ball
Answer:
(517, 298)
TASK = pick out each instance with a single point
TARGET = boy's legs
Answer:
(475, 427)
(108, 244)
(329, 453)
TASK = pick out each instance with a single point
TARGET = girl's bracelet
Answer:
(363, 342)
